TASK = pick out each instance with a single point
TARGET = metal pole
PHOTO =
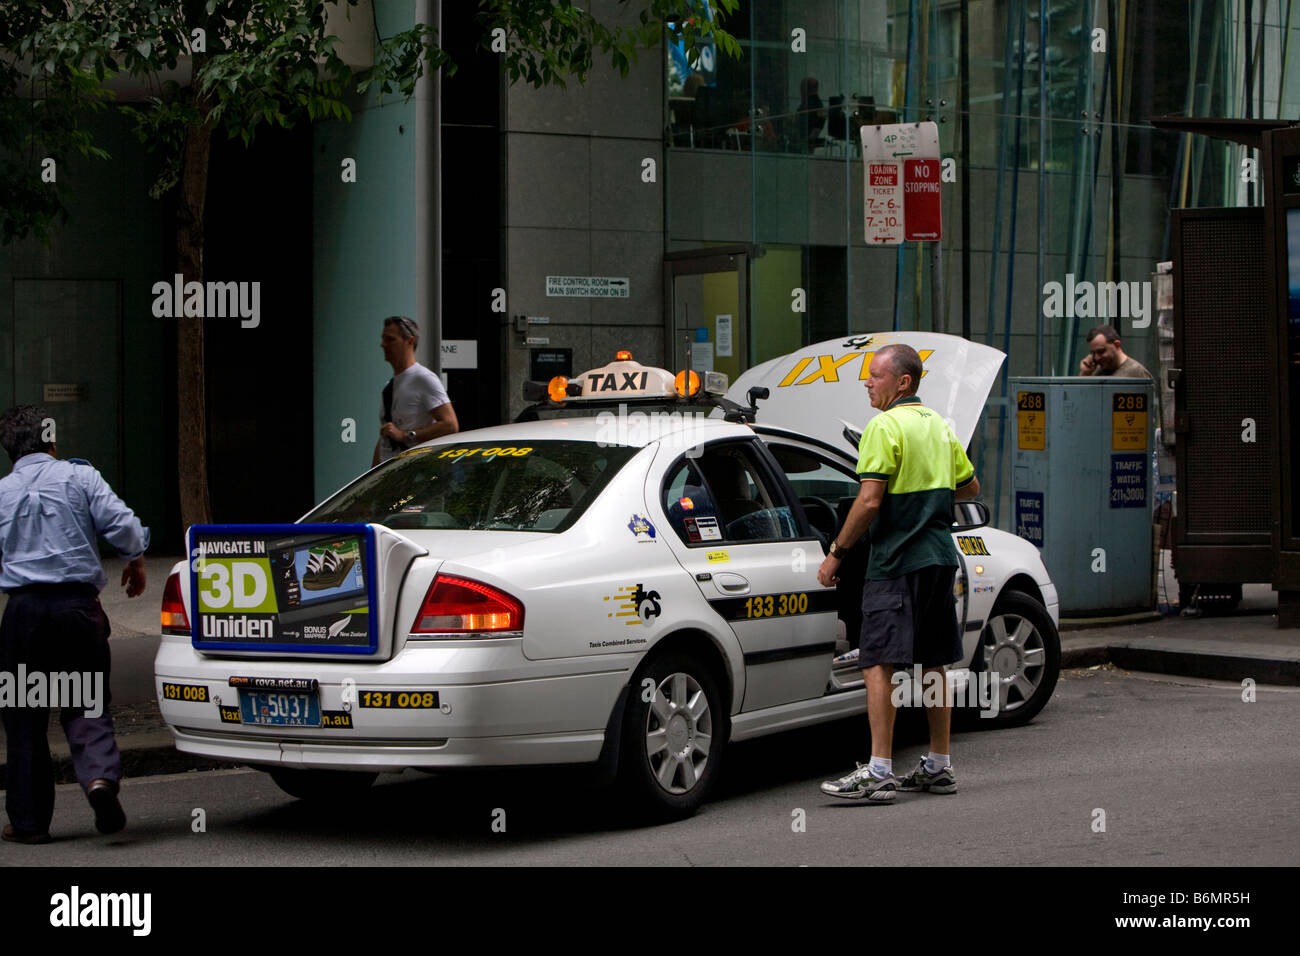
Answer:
(964, 69)
(1042, 181)
(908, 100)
(936, 286)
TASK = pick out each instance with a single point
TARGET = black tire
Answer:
(322, 786)
(1022, 645)
(673, 734)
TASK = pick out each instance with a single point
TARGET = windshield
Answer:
(477, 486)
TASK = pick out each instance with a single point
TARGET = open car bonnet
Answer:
(821, 388)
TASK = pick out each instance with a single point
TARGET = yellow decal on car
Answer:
(828, 367)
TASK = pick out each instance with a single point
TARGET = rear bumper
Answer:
(515, 750)
(494, 708)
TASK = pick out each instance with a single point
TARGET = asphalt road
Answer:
(1185, 772)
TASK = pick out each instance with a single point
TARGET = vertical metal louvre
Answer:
(1225, 325)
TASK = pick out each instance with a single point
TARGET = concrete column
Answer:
(428, 200)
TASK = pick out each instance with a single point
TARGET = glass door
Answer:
(708, 309)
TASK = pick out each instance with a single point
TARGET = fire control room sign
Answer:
(283, 588)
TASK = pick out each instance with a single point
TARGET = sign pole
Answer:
(936, 287)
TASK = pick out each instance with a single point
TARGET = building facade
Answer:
(719, 203)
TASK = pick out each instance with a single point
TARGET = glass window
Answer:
(538, 486)
(825, 491)
(721, 496)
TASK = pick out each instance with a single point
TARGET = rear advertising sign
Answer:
(283, 588)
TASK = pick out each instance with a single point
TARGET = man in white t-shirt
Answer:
(415, 406)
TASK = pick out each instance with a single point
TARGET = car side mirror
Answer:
(968, 515)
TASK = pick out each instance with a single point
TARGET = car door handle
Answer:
(729, 582)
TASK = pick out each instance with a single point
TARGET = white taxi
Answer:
(629, 580)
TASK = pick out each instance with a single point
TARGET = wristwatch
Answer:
(410, 437)
(837, 551)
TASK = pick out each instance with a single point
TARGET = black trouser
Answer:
(54, 629)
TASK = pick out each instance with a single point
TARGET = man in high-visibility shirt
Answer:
(912, 469)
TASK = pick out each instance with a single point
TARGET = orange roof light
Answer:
(622, 355)
(686, 383)
(557, 388)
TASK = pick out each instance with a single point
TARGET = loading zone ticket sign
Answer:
(283, 588)
(901, 197)
(588, 287)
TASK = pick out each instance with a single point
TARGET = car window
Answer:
(542, 486)
(722, 496)
(825, 491)
(811, 476)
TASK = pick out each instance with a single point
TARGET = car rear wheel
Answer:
(321, 786)
(673, 735)
(1021, 645)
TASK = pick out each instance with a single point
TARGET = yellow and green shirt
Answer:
(913, 450)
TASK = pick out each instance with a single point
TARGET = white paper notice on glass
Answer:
(702, 356)
(723, 325)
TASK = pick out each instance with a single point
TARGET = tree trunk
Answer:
(191, 402)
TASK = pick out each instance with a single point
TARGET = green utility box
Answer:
(1083, 488)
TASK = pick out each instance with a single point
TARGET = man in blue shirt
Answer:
(54, 634)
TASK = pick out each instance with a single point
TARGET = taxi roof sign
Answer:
(626, 379)
(621, 381)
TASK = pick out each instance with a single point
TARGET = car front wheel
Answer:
(673, 733)
(1022, 647)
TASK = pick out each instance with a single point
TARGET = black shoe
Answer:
(102, 795)
(10, 835)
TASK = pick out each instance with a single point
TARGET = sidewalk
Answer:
(1237, 646)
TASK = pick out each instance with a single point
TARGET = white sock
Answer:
(935, 762)
(881, 766)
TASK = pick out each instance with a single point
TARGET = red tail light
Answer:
(458, 604)
(172, 615)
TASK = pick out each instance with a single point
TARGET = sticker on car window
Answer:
(486, 453)
(708, 528)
